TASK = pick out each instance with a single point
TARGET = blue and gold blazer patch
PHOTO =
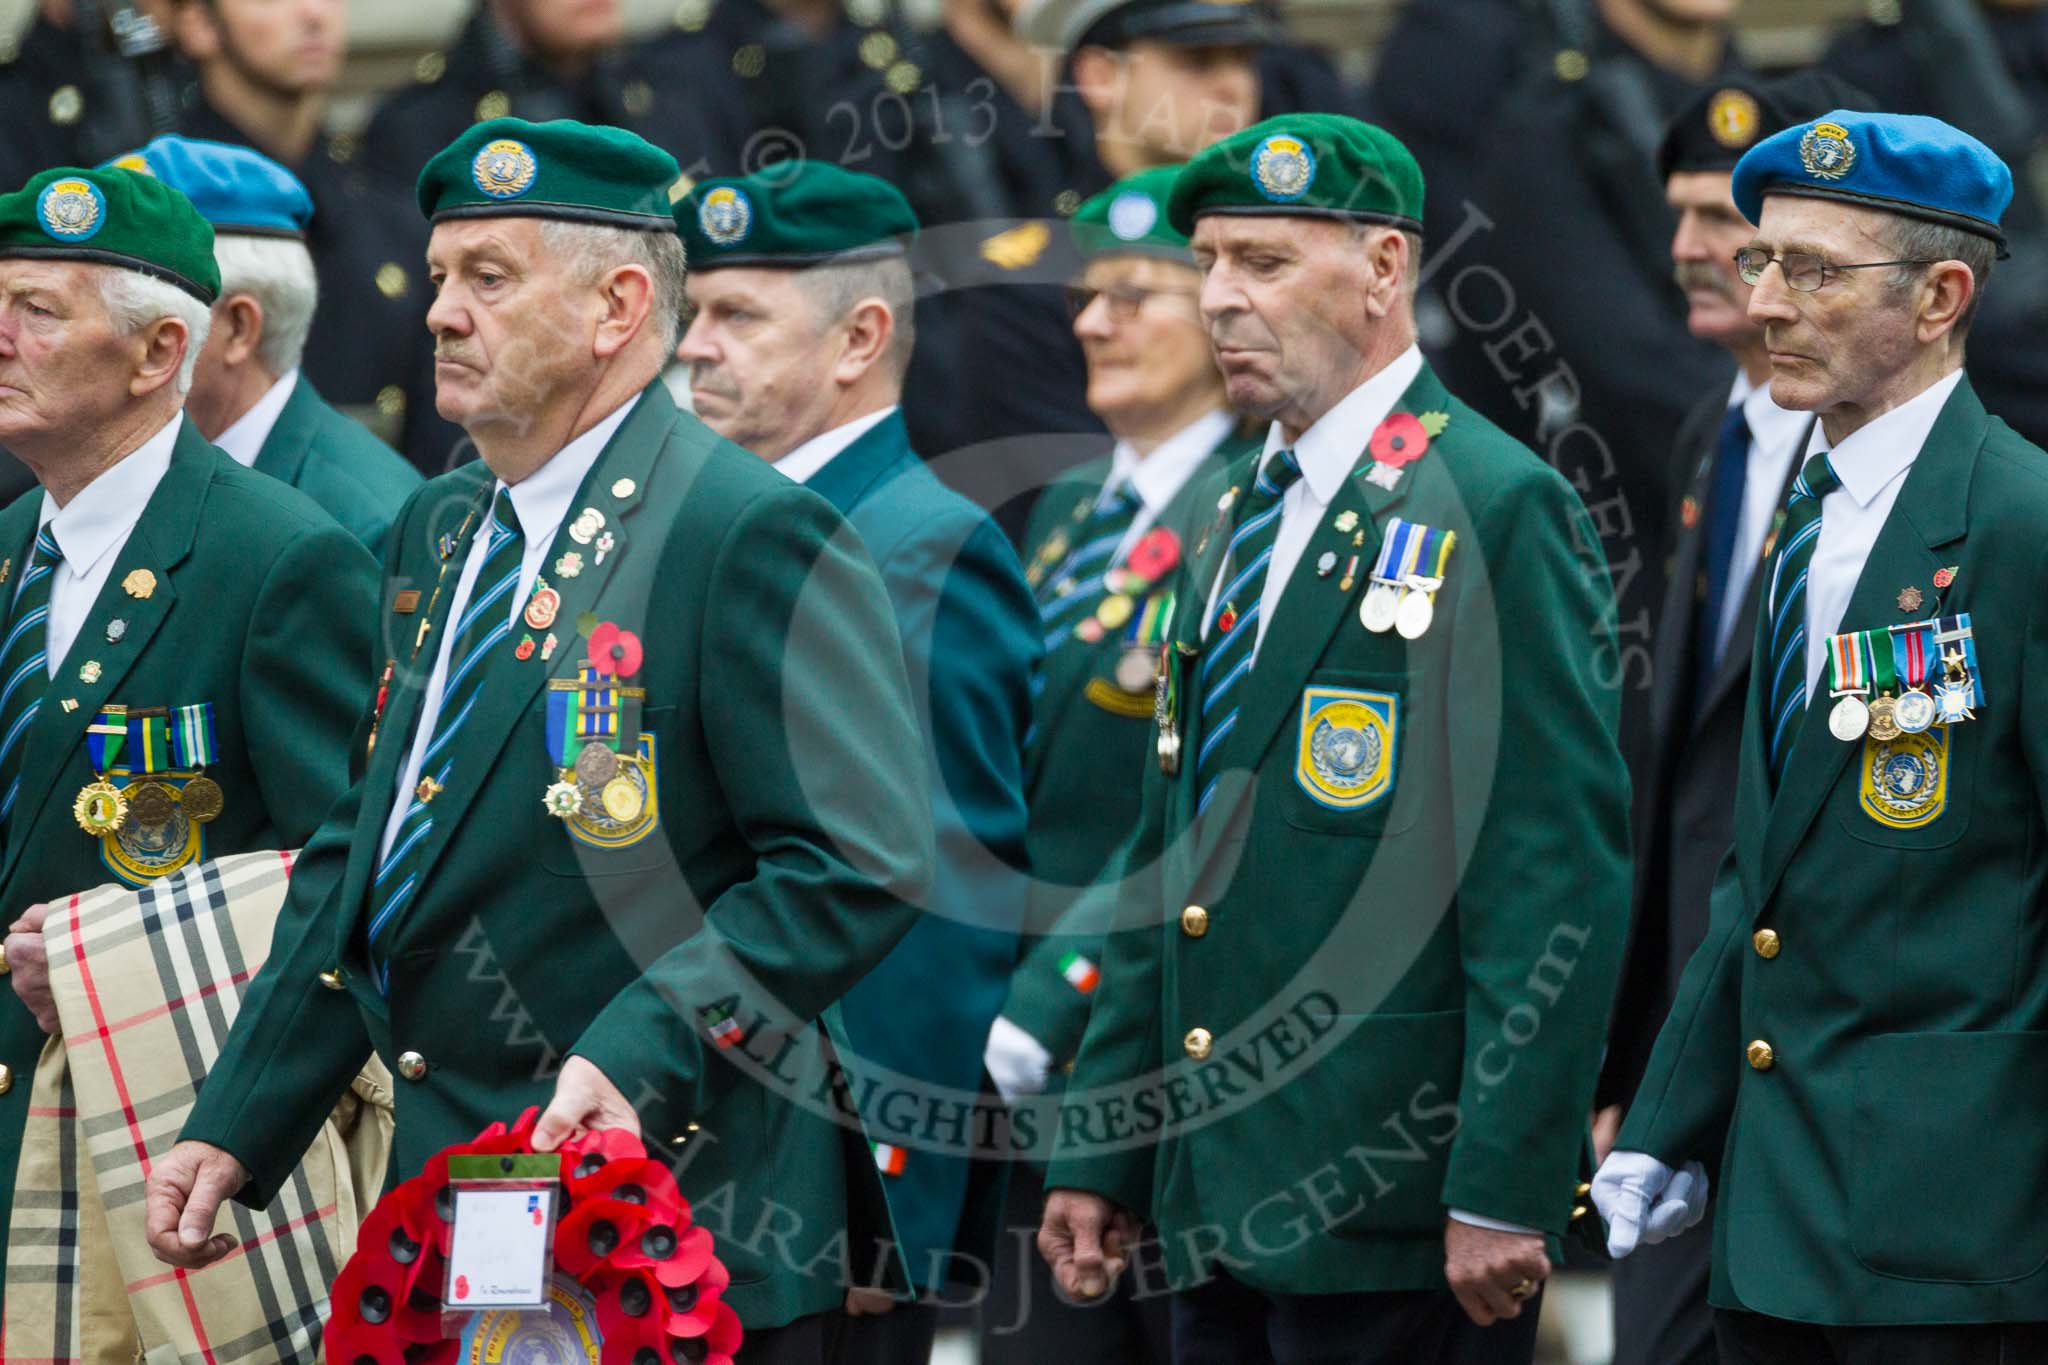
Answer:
(1345, 758)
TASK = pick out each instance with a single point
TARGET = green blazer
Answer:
(1890, 1165)
(1091, 741)
(688, 954)
(1326, 1019)
(257, 603)
(337, 463)
(969, 630)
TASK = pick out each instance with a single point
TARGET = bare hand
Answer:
(585, 1100)
(184, 1193)
(1606, 1128)
(1485, 1267)
(29, 966)
(869, 1303)
(1086, 1240)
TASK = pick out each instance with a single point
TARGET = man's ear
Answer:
(160, 351)
(1945, 294)
(195, 30)
(870, 327)
(1097, 73)
(240, 318)
(627, 294)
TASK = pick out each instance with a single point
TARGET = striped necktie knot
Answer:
(1076, 586)
(1785, 623)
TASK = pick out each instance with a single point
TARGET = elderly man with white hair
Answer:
(187, 642)
(249, 395)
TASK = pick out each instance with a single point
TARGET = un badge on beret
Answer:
(504, 169)
(1732, 119)
(1283, 168)
(1131, 215)
(71, 210)
(725, 215)
(1826, 152)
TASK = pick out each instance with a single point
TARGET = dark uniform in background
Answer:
(1983, 68)
(677, 91)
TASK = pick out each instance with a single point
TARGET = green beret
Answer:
(794, 213)
(1313, 165)
(510, 168)
(114, 217)
(1129, 219)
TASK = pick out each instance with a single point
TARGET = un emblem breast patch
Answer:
(1826, 152)
(725, 215)
(1283, 168)
(1905, 780)
(71, 210)
(504, 169)
(1345, 757)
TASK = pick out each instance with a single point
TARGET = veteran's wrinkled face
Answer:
(63, 365)
(759, 355)
(1710, 231)
(512, 325)
(1142, 335)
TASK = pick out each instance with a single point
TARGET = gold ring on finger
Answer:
(1521, 1291)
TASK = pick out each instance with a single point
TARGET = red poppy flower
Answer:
(593, 1231)
(1155, 554)
(1399, 440)
(630, 1311)
(614, 651)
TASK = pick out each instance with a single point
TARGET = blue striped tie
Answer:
(1786, 620)
(486, 621)
(1234, 615)
(25, 663)
(1074, 589)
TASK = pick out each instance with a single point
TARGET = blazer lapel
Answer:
(1733, 660)
(1930, 513)
(284, 450)
(512, 684)
(139, 592)
(864, 466)
(1211, 545)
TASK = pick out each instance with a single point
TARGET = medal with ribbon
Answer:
(1959, 689)
(1400, 551)
(1147, 630)
(194, 747)
(1849, 685)
(1418, 601)
(1884, 683)
(1912, 650)
(100, 807)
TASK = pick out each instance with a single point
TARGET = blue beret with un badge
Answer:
(1901, 163)
(236, 189)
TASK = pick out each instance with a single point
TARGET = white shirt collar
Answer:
(1329, 449)
(100, 517)
(803, 463)
(1770, 426)
(244, 438)
(1160, 475)
(1881, 449)
(542, 498)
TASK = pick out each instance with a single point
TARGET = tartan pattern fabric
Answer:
(147, 984)
(1786, 620)
(1234, 633)
(24, 664)
(486, 621)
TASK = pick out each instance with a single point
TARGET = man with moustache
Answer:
(1742, 448)
(1853, 1046)
(1393, 815)
(647, 751)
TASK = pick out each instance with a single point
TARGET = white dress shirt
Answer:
(244, 438)
(1328, 451)
(92, 529)
(1872, 464)
(803, 463)
(541, 503)
(1157, 478)
(1774, 434)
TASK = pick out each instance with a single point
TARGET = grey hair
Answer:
(1362, 232)
(593, 249)
(278, 273)
(836, 288)
(1914, 239)
(134, 300)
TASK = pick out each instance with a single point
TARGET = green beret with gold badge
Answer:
(794, 213)
(512, 168)
(1129, 219)
(1311, 165)
(112, 217)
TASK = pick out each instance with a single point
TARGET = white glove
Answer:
(1016, 1061)
(1642, 1200)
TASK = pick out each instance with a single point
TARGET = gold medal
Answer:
(623, 800)
(100, 809)
(596, 765)
(151, 803)
(202, 799)
(1114, 611)
(1884, 722)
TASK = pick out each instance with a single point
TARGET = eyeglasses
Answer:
(1803, 270)
(1123, 300)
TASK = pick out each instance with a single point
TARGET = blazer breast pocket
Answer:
(1342, 768)
(1912, 792)
(609, 807)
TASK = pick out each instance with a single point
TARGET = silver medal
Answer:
(1915, 712)
(1380, 607)
(1417, 610)
(1849, 718)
